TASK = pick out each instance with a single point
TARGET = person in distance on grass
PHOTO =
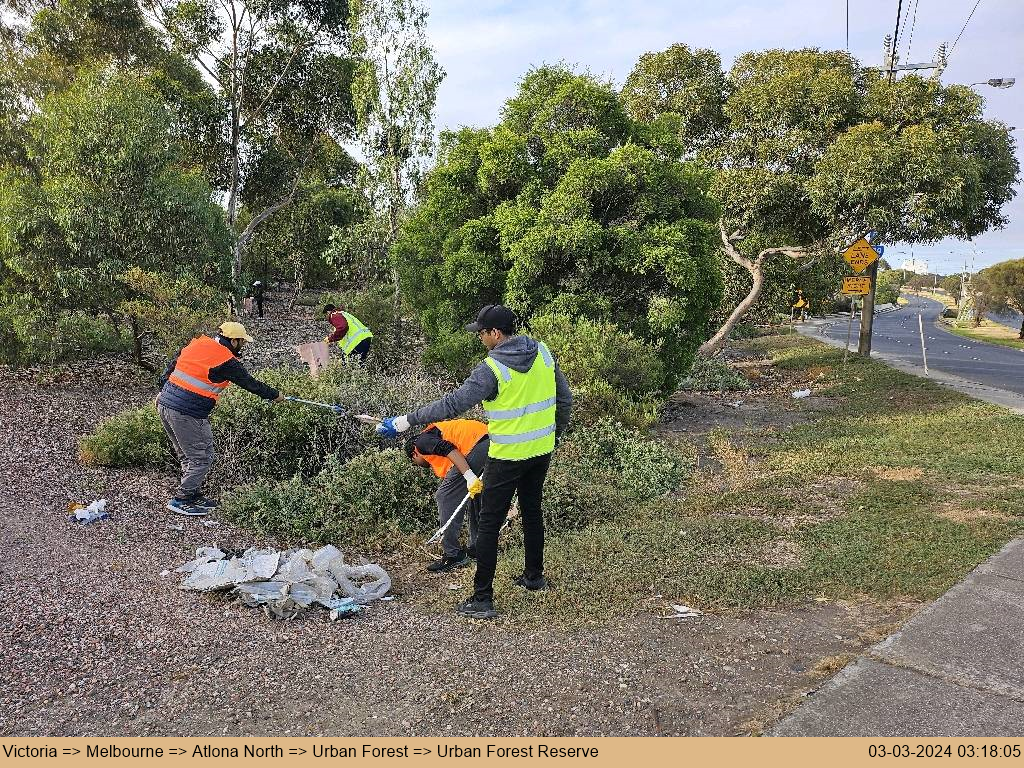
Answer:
(351, 336)
(456, 451)
(191, 384)
(527, 402)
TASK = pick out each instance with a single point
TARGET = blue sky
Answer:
(486, 46)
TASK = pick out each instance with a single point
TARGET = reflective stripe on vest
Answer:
(192, 370)
(356, 334)
(522, 415)
(464, 434)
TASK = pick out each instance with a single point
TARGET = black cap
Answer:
(494, 316)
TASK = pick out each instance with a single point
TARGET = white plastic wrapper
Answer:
(284, 584)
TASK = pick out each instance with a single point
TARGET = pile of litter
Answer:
(286, 583)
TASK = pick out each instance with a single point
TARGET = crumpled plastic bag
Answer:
(284, 584)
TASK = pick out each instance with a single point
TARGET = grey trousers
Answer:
(450, 494)
(192, 441)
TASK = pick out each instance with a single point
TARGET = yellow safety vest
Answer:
(357, 332)
(521, 418)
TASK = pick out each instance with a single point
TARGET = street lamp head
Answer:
(999, 82)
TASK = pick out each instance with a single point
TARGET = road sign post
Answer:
(860, 256)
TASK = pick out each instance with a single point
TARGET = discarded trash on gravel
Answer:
(682, 612)
(286, 583)
(801, 393)
(83, 515)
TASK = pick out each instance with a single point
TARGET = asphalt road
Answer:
(896, 335)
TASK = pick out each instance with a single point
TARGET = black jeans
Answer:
(362, 349)
(502, 479)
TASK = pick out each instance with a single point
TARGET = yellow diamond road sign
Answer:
(860, 255)
(856, 286)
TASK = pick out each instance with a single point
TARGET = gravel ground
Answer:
(97, 643)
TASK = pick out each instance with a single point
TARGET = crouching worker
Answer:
(190, 387)
(350, 334)
(528, 403)
(456, 451)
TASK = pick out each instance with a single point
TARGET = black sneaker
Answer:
(539, 584)
(204, 503)
(179, 507)
(449, 563)
(477, 609)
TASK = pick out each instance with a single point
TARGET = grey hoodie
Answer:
(518, 353)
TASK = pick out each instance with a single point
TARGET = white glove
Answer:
(401, 423)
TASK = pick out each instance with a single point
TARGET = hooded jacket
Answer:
(518, 353)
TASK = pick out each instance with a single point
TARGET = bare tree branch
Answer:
(273, 88)
(270, 210)
(756, 269)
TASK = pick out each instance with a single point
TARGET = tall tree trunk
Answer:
(137, 337)
(395, 282)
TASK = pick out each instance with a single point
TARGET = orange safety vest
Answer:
(462, 433)
(192, 371)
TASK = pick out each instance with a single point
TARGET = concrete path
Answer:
(954, 670)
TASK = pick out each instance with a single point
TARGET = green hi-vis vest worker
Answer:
(357, 332)
(521, 418)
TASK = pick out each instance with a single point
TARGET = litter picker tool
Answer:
(440, 531)
(336, 408)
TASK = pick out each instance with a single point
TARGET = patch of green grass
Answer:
(891, 545)
(896, 493)
(990, 333)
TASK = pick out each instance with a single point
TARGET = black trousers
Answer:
(503, 479)
(361, 350)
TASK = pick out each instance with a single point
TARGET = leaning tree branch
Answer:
(755, 267)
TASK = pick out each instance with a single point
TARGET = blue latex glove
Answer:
(392, 426)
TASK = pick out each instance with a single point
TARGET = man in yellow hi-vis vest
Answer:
(527, 402)
(350, 334)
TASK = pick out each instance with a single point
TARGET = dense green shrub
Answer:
(565, 206)
(261, 440)
(890, 283)
(130, 439)
(709, 374)
(365, 502)
(612, 373)
(30, 334)
(601, 471)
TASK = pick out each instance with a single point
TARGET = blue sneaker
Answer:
(179, 507)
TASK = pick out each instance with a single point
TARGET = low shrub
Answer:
(709, 374)
(260, 440)
(130, 439)
(611, 372)
(600, 471)
(31, 334)
(365, 502)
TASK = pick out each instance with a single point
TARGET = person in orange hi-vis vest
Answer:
(189, 389)
(456, 451)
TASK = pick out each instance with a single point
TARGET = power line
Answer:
(891, 64)
(953, 47)
(913, 24)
